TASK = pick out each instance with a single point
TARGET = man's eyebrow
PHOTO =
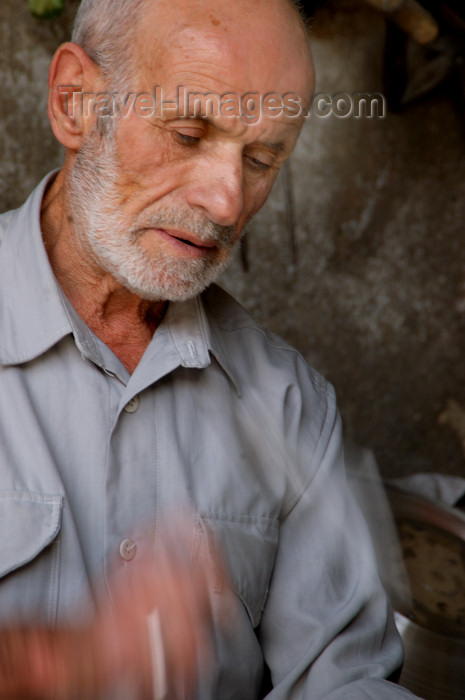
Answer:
(275, 146)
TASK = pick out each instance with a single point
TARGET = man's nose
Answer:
(217, 189)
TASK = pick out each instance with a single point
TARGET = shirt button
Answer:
(132, 405)
(128, 549)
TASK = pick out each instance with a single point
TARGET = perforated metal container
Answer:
(432, 621)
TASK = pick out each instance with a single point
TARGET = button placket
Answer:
(132, 405)
(128, 549)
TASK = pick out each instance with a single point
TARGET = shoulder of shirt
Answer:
(246, 342)
(4, 221)
(9, 218)
(278, 387)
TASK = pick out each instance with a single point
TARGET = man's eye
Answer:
(187, 139)
(258, 164)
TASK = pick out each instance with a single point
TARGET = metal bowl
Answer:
(432, 620)
(434, 666)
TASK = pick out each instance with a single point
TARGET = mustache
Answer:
(187, 221)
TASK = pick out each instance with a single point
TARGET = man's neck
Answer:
(122, 320)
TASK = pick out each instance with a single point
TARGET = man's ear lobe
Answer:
(72, 73)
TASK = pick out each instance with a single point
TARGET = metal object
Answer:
(432, 623)
(434, 667)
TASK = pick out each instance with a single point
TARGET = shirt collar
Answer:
(33, 316)
(194, 350)
(186, 338)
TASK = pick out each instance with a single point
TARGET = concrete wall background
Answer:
(376, 299)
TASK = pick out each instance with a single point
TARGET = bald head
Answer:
(103, 30)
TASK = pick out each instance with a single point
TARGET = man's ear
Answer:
(73, 79)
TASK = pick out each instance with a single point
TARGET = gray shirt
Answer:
(221, 420)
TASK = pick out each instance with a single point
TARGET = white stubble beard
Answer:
(104, 232)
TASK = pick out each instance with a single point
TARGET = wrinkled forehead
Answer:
(227, 46)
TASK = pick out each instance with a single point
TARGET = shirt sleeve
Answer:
(327, 630)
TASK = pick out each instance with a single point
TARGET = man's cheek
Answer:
(142, 149)
(259, 198)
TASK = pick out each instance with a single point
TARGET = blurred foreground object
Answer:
(370, 493)
(141, 647)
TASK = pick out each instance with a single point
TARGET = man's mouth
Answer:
(187, 242)
(191, 240)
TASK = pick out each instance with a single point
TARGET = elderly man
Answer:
(133, 391)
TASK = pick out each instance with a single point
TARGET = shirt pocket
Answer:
(248, 544)
(29, 555)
